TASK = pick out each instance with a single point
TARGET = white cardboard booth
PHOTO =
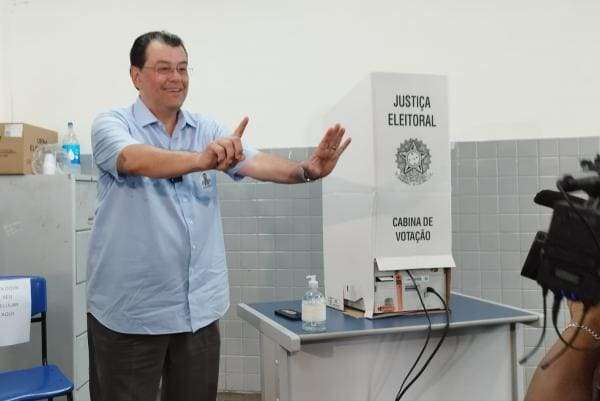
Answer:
(386, 206)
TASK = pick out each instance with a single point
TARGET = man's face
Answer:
(163, 81)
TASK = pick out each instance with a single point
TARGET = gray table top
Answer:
(465, 311)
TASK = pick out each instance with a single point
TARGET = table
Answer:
(367, 359)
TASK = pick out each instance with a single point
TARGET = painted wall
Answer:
(516, 69)
(3, 44)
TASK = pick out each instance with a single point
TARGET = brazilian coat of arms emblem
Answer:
(413, 160)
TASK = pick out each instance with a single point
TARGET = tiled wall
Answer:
(494, 218)
(274, 239)
(274, 236)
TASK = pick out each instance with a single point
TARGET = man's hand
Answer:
(224, 153)
(325, 157)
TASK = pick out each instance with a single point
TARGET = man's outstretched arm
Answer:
(115, 151)
(267, 167)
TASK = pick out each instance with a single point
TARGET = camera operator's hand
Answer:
(570, 377)
(591, 320)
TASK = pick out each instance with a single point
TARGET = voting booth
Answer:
(386, 206)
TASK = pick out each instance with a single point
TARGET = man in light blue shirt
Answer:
(157, 276)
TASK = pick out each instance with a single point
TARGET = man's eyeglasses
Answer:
(166, 70)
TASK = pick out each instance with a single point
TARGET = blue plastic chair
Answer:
(41, 382)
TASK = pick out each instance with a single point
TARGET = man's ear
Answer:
(134, 73)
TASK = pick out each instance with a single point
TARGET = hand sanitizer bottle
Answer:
(313, 307)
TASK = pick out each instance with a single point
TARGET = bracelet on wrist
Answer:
(585, 328)
(306, 178)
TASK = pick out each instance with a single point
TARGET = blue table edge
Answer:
(292, 341)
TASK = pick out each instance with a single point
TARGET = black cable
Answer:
(426, 340)
(437, 347)
(541, 339)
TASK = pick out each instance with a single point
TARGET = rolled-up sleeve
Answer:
(110, 135)
(249, 153)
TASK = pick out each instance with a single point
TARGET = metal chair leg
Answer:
(70, 397)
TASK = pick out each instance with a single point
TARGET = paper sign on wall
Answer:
(15, 311)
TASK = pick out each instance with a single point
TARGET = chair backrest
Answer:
(38, 306)
(38, 292)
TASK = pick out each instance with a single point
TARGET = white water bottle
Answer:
(72, 150)
(313, 307)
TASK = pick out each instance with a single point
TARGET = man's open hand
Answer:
(325, 157)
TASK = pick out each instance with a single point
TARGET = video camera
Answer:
(566, 259)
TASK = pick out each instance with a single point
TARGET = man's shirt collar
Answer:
(145, 117)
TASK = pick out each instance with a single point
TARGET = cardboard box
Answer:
(386, 205)
(18, 141)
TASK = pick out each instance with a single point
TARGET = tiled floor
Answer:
(228, 396)
(238, 397)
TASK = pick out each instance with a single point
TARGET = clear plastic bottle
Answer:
(313, 307)
(72, 150)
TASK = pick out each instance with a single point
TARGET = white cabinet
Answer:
(45, 226)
